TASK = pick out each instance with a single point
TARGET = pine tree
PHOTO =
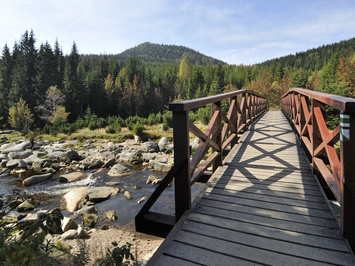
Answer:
(46, 70)
(6, 66)
(71, 82)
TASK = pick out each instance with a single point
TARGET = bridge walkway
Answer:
(263, 207)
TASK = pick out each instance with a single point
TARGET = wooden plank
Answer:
(330, 243)
(168, 260)
(234, 180)
(320, 250)
(204, 256)
(277, 211)
(296, 227)
(243, 251)
(260, 186)
(271, 199)
(279, 194)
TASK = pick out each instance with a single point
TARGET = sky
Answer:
(234, 31)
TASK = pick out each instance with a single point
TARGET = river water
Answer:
(125, 209)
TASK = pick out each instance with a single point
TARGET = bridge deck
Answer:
(264, 207)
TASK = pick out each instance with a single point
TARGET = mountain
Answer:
(169, 53)
(315, 58)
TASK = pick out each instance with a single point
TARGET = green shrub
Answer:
(138, 129)
(165, 127)
(158, 118)
(114, 128)
(121, 121)
(92, 125)
(192, 116)
(130, 126)
(168, 119)
(101, 122)
(151, 119)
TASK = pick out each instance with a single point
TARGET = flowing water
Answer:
(125, 209)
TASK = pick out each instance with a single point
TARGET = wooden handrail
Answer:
(217, 136)
(306, 111)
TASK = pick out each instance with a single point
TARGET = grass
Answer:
(154, 132)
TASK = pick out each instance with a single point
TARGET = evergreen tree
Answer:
(71, 81)
(60, 66)
(46, 72)
(6, 66)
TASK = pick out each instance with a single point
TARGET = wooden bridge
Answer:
(265, 202)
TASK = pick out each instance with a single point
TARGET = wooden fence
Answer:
(306, 110)
(218, 136)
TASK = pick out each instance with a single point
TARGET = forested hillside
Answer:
(315, 58)
(58, 88)
(169, 53)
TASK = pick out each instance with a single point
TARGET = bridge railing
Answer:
(217, 136)
(306, 109)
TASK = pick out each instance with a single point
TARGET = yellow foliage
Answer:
(59, 115)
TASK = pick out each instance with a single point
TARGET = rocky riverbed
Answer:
(99, 187)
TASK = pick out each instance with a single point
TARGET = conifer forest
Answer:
(50, 87)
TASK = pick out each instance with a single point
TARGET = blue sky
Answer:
(237, 32)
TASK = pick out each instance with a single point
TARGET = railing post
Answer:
(347, 159)
(215, 107)
(316, 135)
(233, 117)
(182, 177)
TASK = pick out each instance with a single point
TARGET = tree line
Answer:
(59, 88)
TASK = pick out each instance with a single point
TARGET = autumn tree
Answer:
(20, 116)
(53, 110)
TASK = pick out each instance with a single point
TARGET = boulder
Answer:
(19, 154)
(137, 139)
(56, 155)
(55, 166)
(67, 224)
(98, 194)
(110, 146)
(71, 177)
(128, 195)
(107, 155)
(9, 219)
(3, 156)
(16, 148)
(163, 141)
(110, 162)
(89, 215)
(12, 164)
(119, 170)
(142, 199)
(25, 206)
(38, 164)
(7, 145)
(161, 160)
(111, 215)
(70, 234)
(81, 233)
(36, 179)
(195, 143)
(160, 167)
(74, 197)
(126, 155)
(151, 146)
(162, 148)
(72, 155)
(39, 153)
(150, 179)
(31, 159)
(148, 156)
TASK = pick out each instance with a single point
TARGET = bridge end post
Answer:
(347, 162)
(182, 177)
